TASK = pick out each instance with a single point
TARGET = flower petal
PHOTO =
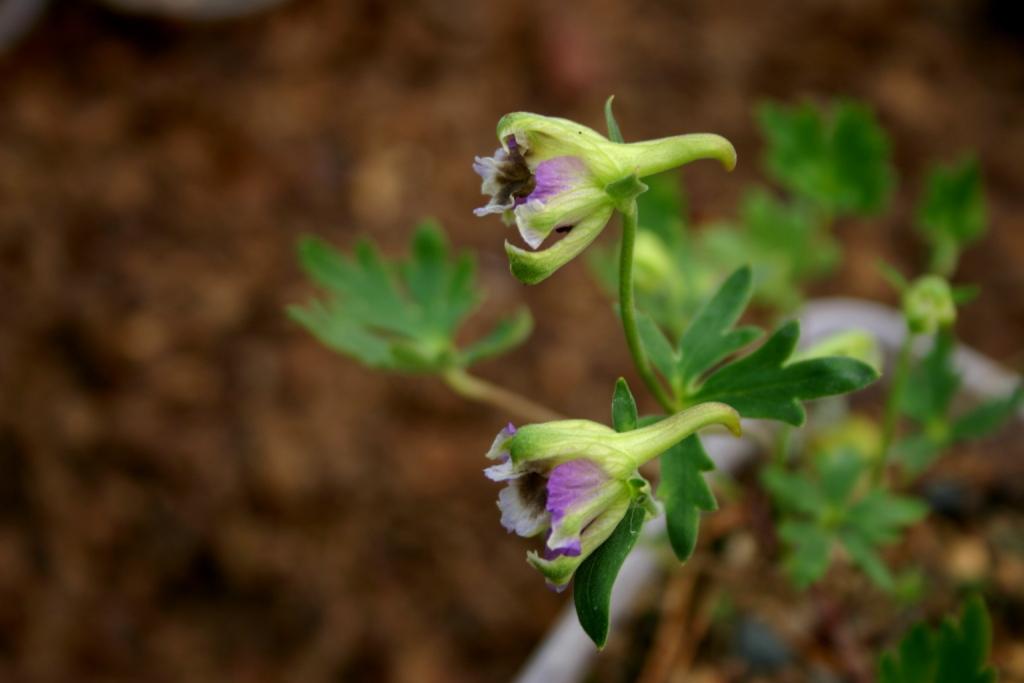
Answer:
(499, 449)
(522, 505)
(578, 492)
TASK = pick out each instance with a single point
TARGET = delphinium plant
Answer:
(575, 484)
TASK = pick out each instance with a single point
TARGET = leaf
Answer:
(792, 492)
(933, 383)
(658, 347)
(685, 493)
(839, 159)
(624, 413)
(839, 474)
(988, 417)
(506, 335)
(592, 584)
(952, 209)
(879, 516)
(864, 555)
(809, 553)
(957, 652)
(399, 315)
(762, 385)
(711, 337)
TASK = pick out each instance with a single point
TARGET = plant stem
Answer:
(892, 404)
(477, 389)
(627, 309)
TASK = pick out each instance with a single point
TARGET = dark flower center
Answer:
(514, 177)
(532, 489)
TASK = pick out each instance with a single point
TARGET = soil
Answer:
(190, 487)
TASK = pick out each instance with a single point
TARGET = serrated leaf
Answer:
(593, 581)
(763, 385)
(711, 337)
(957, 652)
(685, 493)
(840, 160)
(506, 335)
(624, 413)
(399, 315)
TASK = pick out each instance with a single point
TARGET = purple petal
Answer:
(557, 175)
(572, 483)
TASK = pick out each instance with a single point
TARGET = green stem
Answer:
(627, 309)
(892, 405)
(480, 390)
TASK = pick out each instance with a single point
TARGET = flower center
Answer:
(515, 180)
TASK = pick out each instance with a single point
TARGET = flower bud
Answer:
(928, 305)
(574, 479)
(553, 175)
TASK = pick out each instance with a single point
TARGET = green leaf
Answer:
(839, 474)
(762, 385)
(592, 584)
(952, 212)
(658, 347)
(880, 516)
(933, 383)
(957, 652)
(809, 554)
(624, 413)
(614, 134)
(506, 335)
(685, 493)
(792, 492)
(988, 417)
(840, 160)
(864, 555)
(711, 337)
(399, 315)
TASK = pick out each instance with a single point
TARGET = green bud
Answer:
(928, 305)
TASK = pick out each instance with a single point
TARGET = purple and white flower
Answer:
(572, 481)
(551, 175)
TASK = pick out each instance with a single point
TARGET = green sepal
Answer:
(624, 413)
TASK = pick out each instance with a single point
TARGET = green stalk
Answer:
(892, 405)
(627, 309)
(482, 391)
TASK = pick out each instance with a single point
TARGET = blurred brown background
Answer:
(190, 487)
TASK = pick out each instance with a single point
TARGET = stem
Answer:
(627, 309)
(899, 380)
(482, 391)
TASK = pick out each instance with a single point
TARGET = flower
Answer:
(574, 480)
(553, 175)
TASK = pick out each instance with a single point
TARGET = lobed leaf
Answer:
(685, 493)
